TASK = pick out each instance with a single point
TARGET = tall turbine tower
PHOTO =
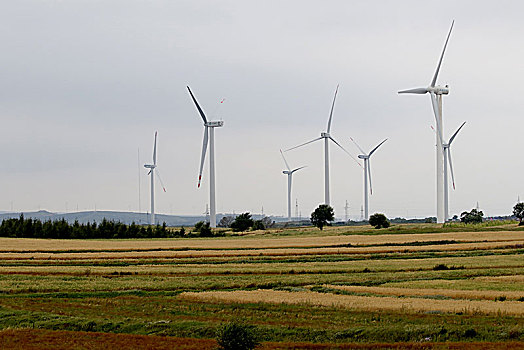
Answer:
(151, 173)
(209, 130)
(326, 136)
(436, 93)
(367, 174)
(289, 174)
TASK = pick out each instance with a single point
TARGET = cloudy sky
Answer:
(85, 84)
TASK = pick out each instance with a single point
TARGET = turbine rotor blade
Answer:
(160, 179)
(331, 113)
(369, 174)
(149, 173)
(374, 149)
(285, 161)
(197, 106)
(203, 157)
(455, 134)
(355, 142)
(436, 112)
(154, 151)
(349, 154)
(297, 169)
(434, 81)
(420, 91)
(451, 168)
(303, 144)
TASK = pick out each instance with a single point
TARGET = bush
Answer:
(473, 217)
(258, 225)
(242, 222)
(203, 229)
(237, 336)
(226, 221)
(379, 221)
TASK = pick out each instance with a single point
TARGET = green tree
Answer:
(322, 216)
(518, 212)
(237, 336)
(473, 217)
(378, 220)
(203, 229)
(242, 222)
(226, 221)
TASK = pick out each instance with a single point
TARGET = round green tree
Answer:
(322, 216)
(379, 220)
(518, 211)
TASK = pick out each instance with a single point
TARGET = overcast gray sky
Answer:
(84, 84)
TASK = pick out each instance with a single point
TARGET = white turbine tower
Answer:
(289, 174)
(436, 93)
(367, 174)
(447, 158)
(209, 131)
(151, 173)
(326, 136)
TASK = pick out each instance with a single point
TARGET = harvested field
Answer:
(345, 287)
(354, 302)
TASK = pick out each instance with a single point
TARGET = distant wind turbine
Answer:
(447, 158)
(209, 131)
(327, 136)
(367, 174)
(151, 172)
(436, 93)
(289, 174)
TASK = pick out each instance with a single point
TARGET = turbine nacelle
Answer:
(439, 90)
(325, 135)
(215, 124)
(363, 156)
(149, 166)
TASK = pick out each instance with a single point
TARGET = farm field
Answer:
(410, 286)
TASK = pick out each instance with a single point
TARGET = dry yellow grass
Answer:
(360, 302)
(256, 242)
(140, 251)
(455, 294)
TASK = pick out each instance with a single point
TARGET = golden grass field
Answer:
(301, 286)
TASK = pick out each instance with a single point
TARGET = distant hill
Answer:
(121, 216)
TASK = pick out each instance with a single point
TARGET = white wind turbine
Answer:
(447, 158)
(151, 173)
(326, 136)
(209, 131)
(436, 93)
(289, 174)
(367, 174)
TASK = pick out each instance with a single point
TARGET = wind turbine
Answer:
(367, 174)
(436, 93)
(289, 174)
(447, 158)
(326, 136)
(151, 173)
(209, 131)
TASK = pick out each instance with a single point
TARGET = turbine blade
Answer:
(160, 179)
(303, 144)
(349, 154)
(369, 174)
(420, 91)
(355, 142)
(297, 169)
(203, 157)
(331, 113)
(434, 81)
(436, 112)
(197, 106)
(455, 134)
(374, 149)
(285, 161)
(154, 151)
(149, 173)
(451, 168)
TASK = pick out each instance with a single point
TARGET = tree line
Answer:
(61, 229)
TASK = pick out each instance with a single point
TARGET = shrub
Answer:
(203, 229)
(379, 220)
(237, 336)
(258, 225)
(242, 222)
(473, 217)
